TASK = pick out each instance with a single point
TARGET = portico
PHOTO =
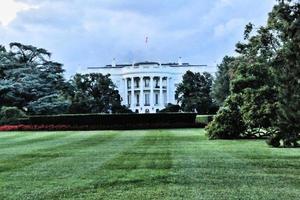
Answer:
(146, 94)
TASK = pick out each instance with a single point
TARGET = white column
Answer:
(151, 91)
(126, 93)
(172, 91)
(142, 103)
(168, 90)
(161, 97)
(132, 93)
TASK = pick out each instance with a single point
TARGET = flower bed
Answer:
(34, 127)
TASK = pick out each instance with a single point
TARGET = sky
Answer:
(90, 33)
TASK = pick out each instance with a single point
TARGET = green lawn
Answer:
(152, 164)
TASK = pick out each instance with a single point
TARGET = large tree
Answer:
(284, 20)
(28, 75)
(95, 93)
(194, 93)
(221, 85)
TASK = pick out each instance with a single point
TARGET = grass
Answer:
(152, 164)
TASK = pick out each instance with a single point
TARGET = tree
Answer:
(267, 76)
(228, 123)
(27, 75)
(254, 82)
(285, 21)
(49, 105)
(221, 85)
(94, 93)
(194, 93)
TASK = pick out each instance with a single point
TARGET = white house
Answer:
(147, 87)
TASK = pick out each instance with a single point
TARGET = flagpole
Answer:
(146, 47)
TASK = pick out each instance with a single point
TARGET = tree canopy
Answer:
(221, 86)
(28, 75)
(266, 77)
(95, 93)
(194, 93)
(33, 83)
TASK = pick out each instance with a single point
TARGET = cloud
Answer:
(9, 10)
(93, 32)
(233, 26)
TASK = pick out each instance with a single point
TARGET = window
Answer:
(156, 83)
(156, 99)
(147, 99)
(136, 83)
(164, 83)
(137, 100)
(129, 100)
(128, 83)
(147, 83)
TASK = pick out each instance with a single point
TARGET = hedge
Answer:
(116, 121)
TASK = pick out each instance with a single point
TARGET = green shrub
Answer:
(10, 115)
(228, 123)
(171, 108)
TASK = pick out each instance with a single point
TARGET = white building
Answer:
(147, 87)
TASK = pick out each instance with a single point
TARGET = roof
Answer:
(148, 63)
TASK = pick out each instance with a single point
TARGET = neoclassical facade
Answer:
(147, 87)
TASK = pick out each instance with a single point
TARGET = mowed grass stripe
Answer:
(56, 139)
(83, 159)
(145, 164)
(7, 138)
(229, 176)
(65, 149)
(154, 164)
(32, 140)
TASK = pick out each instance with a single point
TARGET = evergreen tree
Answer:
(194, 93)
(285, 21)
(27, 75)
(221, 85)
(228, 123)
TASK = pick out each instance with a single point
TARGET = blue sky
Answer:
(82, 33)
